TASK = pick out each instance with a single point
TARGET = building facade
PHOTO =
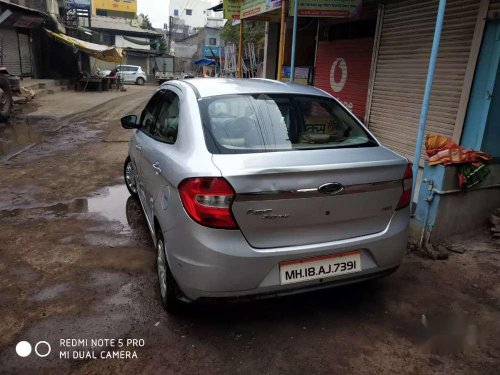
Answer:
(195, 14)
(203, 44)
(25, 48)
(115, 23)
(140, 45)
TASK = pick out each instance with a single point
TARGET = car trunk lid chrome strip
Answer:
(314, 192)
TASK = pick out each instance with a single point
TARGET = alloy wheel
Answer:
(162, 269)
(130, 177)
(3, 97)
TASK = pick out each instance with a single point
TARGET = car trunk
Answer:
(278, 203)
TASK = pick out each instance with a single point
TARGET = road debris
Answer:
(436, 253)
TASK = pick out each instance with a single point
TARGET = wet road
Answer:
(77, 262)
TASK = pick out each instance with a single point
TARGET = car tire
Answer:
(170, 293)
(140, 81)
(5, 99)
(130, 177)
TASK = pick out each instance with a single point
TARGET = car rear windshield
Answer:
(236, 124)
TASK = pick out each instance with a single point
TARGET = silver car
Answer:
(132, 74)
(256, 188)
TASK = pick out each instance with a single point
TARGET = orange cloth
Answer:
(442, 150)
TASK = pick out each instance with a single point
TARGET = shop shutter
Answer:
(139, 61)
(343, 70)
(24, 47)
(401, 70)
(10, 51)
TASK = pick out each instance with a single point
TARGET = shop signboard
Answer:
(210, 51)
(327, 8)
(79, 4)
(129, 6)
(343, 70)
(302, 74)
(232, 9)
(252, 8)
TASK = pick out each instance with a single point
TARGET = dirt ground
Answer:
(77, 262)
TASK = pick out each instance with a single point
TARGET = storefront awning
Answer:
(99, 51)
(204, 62)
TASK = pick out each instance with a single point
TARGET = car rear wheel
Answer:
(169, 291)
(5, 99)
(129, 176)
(140, 81)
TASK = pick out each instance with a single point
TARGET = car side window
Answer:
(167, 125)
(148, 117)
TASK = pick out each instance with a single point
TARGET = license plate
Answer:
(295, 271)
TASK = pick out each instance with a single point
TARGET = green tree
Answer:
(253, 32)
(146, 23)
(163, 46)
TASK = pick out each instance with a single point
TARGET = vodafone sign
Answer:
(337, 86)
(343, 70)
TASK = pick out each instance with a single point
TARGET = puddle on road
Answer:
(51, 292)
(18, 135)
(113, 203)
(42, 137)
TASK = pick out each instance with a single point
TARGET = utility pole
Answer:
(281, 53)
(170, 34)
(240, 51)
(294, 39)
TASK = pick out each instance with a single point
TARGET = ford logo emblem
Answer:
(331, 188)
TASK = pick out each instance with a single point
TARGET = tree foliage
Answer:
(146, 23)
(163, 47)
(253, 32)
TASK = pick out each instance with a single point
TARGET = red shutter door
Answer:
(343, 70)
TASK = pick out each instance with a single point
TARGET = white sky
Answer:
(157, 10)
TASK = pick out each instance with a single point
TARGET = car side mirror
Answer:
(130, 122)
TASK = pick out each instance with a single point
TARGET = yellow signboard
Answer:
(251, 8)
(129, 6)
(323, 8)
(232, 9)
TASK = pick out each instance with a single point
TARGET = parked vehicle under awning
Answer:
(99, 51)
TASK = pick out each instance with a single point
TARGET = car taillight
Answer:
(405, 199)
(207, 200)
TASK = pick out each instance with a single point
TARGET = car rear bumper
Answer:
(278, 292)
(214, 263)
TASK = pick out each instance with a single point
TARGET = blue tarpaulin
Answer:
(204, 62)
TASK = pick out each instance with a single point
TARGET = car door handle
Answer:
(138, 147)
(157, 168)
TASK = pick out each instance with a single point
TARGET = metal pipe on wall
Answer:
(430, 197)
(240, 50)
(294, 39)
(428, 90)
(376, 46)
(316, 51)
(281, 54)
